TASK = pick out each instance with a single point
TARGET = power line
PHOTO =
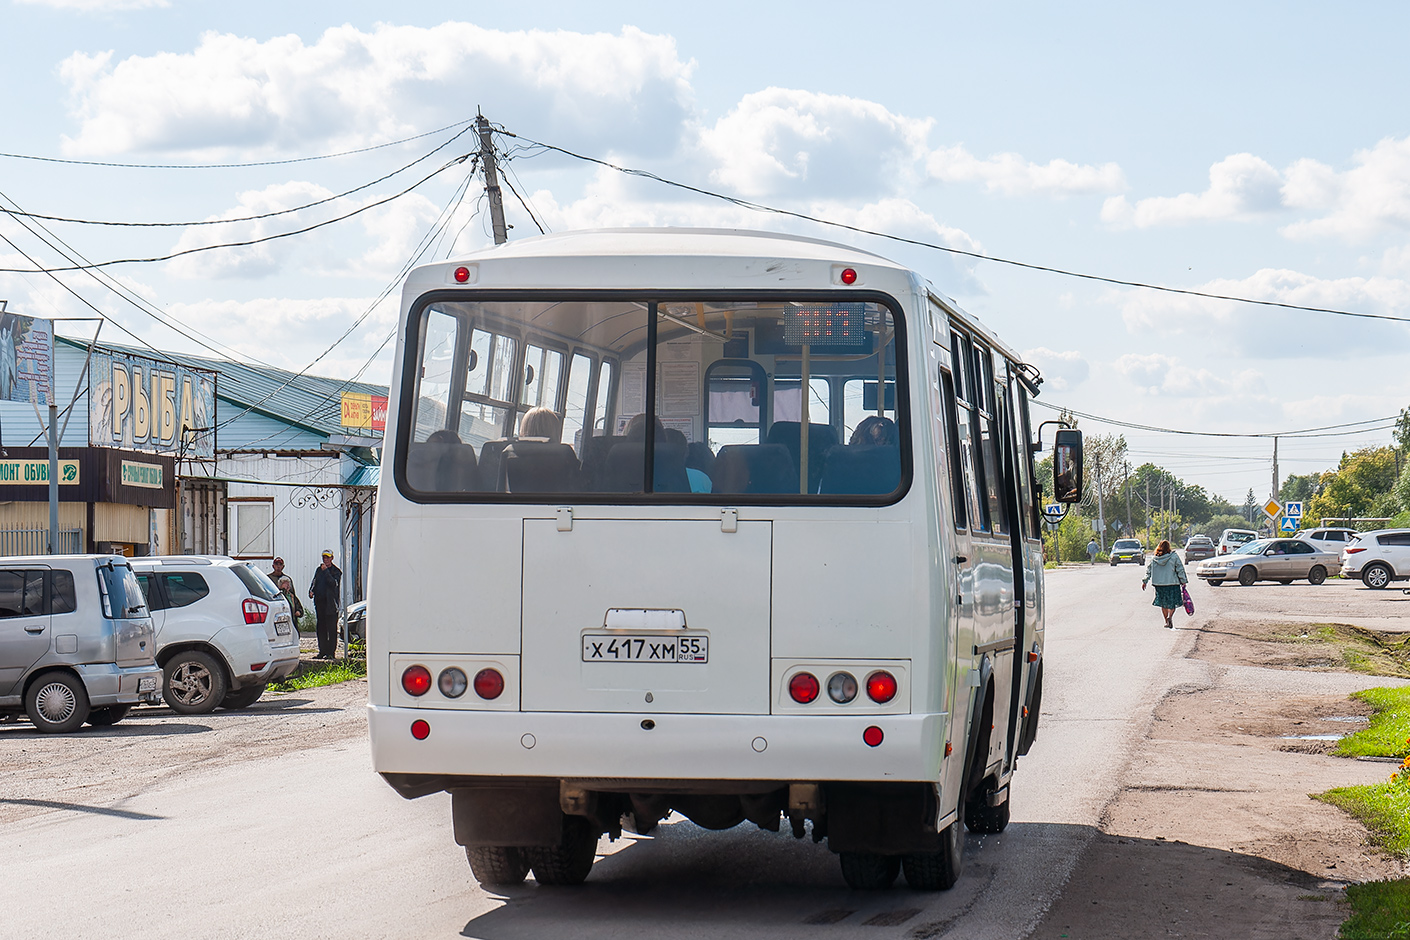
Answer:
(1304, 433)
(248, 218)
(1120, 282)
(233, 166)
(246, 243)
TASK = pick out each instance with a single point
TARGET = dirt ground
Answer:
(1214, 833)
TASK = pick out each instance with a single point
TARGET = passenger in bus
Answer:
(541, 423)
(442, 463)
(699, 481)
(875, 430)
(699, 460)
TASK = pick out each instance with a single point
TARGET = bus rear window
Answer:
(656, 399)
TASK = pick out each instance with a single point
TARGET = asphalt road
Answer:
(307, 842)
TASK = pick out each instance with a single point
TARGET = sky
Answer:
(1252, 150)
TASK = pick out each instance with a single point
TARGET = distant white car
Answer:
(1329, 540)
(1233, 538)
(224, 632)
(1378, 557)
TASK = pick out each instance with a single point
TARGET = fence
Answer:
(36, 542)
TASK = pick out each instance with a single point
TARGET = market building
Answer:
(169, 453)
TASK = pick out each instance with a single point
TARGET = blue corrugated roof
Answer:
(365, 476)
(309, 401)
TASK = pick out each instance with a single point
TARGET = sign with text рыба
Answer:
(143, 404)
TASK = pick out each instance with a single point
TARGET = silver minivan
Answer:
(76, 641)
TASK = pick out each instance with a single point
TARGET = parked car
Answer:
(1378, 557)
(224, 632)
(1281, 560)
(1127, 550)
(1198, 548)
(1233, 538)
(1329, 540)
(76, 641)
(353, 621)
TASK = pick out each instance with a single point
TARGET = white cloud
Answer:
(1241, 186)
(1159, 374)
(628, 91)
(101, 6)
(1227, 328)
(1062, 371)
(1012, 175)
(286, 331)
(785, 140)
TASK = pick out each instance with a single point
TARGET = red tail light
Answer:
(255, 611)
(873, 736)
(1353, 551)
(420, 729)
(416, 680)
(881, 687)
(489, 684)
(803, 687)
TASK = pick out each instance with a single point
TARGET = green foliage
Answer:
(1379, 910)
(1069, 541)
(1360, 486)
(1388, 734)
(312, 675)
(1216, 525)
(1299, 487)
(1383, 808)
(308, 623)
(1401, 491)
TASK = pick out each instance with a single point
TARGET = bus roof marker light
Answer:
(803, 687)
(881, 687)
(848, 276)
(420, 729)
(489, 684)
(462, 275)
(873, 736)
(416, 680)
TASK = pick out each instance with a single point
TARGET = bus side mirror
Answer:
(1067, 466)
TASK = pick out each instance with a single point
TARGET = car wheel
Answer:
(868, 871)
(496, 865)
(1113, 562)
(236, 699)
(194, 683)
(1212, 583)
(1317, 575)
(1375, 576)
(1247, 575)
(937, 871)
(57, 703)
(102, 717)
(568, 862)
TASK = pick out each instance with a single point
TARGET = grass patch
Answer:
(1379, 910)
(1383, 808)
(1361, 650)
(312, 675)
(1388, 733)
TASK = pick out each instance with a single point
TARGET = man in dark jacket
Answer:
(326, 590)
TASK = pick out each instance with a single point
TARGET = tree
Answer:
(1361, 486)
(1250, 506)
(1299, 487)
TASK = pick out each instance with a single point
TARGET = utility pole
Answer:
(501, 231)
(1101, 512)
(1275, 468)
(1148, 512)
(1126, 467)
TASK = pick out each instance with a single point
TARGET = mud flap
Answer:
(522, 816)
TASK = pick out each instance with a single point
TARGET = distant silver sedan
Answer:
(1281, 560)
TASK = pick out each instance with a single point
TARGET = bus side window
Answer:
(952, 448)
(968, 419)
(990, 441)
(575, 408)
(602, 411)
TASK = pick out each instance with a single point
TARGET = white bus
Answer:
(732, 524)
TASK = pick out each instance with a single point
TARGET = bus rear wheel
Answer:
(868, 871)
(568, 862)
(980, 817)
(937, 871)
(494, 865)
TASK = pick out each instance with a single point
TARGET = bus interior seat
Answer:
(625, 469)
(491, 464)
(821, 437)
(442, 467)
(754, 468)
(594, 454)
(540, 466)
(861, 469)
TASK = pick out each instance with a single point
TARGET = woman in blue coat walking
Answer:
(1167, 572)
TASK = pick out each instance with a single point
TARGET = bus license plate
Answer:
(645, 648)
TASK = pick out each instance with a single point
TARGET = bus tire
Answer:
(568, 862)
(497, 865)
(937, 871)
(869, 871)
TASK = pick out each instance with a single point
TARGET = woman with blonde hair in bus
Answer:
(541, 423)
(1167, 572)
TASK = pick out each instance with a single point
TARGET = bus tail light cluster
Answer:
(454, 682)
(857, 686)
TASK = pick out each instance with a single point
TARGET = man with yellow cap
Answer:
(326, 591)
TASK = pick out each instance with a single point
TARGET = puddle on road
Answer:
(1347, 718)
(1313, 737)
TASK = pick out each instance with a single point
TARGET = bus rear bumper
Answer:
(662, 747)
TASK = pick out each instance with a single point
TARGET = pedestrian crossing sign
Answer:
(1293, 508)
(1289, 524)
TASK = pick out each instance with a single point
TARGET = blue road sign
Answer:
(1289, 524)
(1293, 509)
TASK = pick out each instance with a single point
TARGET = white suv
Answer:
(1378, 558)
(224, 632)
(1329, 540)
(1233, 538)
